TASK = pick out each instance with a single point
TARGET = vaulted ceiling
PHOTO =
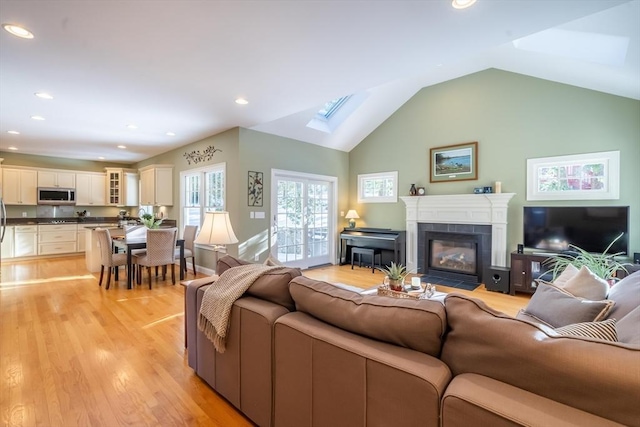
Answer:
(178, 66)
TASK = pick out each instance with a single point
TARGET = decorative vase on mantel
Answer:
(413, 191)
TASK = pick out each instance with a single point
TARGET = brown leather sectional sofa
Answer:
(301, 352)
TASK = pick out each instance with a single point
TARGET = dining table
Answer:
(134, 243)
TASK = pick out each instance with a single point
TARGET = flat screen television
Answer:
(591, 228)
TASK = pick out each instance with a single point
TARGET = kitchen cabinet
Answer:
(19, 186)
(6, 252)
(56, 239)
(122, 187)
(81, 238)
(25, 240)
(54, 179)
(156, 185)
(90, 189)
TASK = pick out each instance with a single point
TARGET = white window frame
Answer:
(611, 177)
(211, 168)
(390, 198)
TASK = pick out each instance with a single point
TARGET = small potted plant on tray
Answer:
(395, 276)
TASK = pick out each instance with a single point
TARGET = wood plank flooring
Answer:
(75, 354)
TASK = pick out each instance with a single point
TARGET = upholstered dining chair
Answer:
(109, 259)
(189, 235)
(160, 251)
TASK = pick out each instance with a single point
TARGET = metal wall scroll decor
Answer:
(197, 156)
(255, 188)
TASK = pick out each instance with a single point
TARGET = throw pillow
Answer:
(585, 284)
(629, 329)
(558, 307)
(568, 272)
(605, 330)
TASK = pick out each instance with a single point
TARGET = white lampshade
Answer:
(216, 230)
(352, 214)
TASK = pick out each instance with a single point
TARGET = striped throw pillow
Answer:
(605, 330)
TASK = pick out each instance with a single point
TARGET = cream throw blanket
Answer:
(218, 299)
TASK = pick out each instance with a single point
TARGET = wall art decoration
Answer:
(197, 156)
(454, 162)
(255, 188)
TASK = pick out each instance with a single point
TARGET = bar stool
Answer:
(372, 252)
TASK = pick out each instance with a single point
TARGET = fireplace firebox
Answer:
(455, 251)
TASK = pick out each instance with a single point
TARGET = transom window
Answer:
(378, 187)
(203, 190)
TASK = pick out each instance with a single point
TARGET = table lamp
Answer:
(217, 232)
(351, 216)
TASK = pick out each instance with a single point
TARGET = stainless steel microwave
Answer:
(56, 196)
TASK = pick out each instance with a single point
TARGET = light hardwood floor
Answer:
(75, 354)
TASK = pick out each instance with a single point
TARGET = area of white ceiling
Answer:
(178, 66)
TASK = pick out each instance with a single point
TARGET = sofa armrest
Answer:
(191, 311)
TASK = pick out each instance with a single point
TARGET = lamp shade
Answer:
(216, 230)
(352, 214)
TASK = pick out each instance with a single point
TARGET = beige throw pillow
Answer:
(585, 284)
(557, 307)
(568, 272)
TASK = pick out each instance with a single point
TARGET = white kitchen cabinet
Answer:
(81, 238)
(25, 240)
(56, 239)
(7, 244)
(56, 179)
(122, 187)
(156, 185)
(90, 189)
(19, 186)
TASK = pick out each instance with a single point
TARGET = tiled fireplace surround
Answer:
(482, 214)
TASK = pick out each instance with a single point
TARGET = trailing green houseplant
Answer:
(603, 265)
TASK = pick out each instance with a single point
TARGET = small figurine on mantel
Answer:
(413, 191)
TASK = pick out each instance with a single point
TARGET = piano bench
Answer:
(372, 252)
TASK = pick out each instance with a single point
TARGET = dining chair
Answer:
(189, 235)
(109, 259)
(160, 251)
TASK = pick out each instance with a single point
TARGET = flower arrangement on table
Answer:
(150, 221)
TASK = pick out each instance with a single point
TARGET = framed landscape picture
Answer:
(454, 162)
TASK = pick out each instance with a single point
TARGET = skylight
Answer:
(331, 107)
(335, 112)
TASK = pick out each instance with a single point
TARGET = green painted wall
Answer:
(263, 152)
(245, 150)
(513, 118)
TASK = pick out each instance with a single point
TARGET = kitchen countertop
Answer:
(74, 220)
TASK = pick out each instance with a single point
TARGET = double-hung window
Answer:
(202, 190)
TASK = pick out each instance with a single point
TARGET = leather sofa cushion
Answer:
(273, 286)
(595, 376)
(415, 324)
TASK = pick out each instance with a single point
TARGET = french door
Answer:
(304, 219)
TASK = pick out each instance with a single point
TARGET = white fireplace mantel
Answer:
(480, 209)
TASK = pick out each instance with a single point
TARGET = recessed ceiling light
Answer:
(171, 134)
(462, 4)
(37, 117)
(122, 146)
(242, 101)
(132, 127)
(13, 148)
(13, 132)
(18, 31)
(43, 95)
